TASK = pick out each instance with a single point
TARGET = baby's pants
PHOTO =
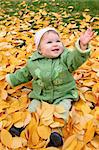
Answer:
(66, 103)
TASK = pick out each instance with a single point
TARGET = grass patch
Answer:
(12, 7)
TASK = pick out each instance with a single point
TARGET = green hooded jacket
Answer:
(52, 79)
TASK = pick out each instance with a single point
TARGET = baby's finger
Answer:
(89, 31)
(92, 35)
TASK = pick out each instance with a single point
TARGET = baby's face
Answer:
(51, 45)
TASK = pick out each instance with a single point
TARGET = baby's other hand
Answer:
(86, 37)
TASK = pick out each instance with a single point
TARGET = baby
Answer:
(51, 68)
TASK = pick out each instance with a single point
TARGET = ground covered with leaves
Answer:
(16, 44)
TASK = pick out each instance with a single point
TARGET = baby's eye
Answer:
(49, 42)
(58, 41)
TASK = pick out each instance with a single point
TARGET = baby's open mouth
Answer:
(57, 49)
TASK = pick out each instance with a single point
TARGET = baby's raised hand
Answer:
(86, 37)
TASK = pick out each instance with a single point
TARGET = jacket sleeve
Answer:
(20, 76)
(76, 57)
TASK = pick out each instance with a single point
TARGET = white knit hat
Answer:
(40, 33)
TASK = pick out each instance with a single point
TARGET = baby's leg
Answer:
(32, 108)
(66, 103)
(56, 137)
(34, 105)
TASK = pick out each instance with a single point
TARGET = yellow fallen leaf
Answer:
(96, 113)
(44, 131)
(23, 101)
(95, 67)
(39, 145)
(5, 46)
(32, 126)
(37, 117)
(35, 137)
(16, 116)
(16, 143)
(68, 141)
(1, 146)
(3, 116)
(60, 120)
(84, 119)
(27, 119)
(52, 148)
(6, 138)
(2, 33)
(90, 97)
(13, 107)
(79, 145)
(89, 132)
(3, 94)
(84, 89)
(71, 146)
(88, 83)
(85, 108)
(7, 122)
(95, 141)
(19, 124)
(95, 88)
(56, 125)
(57, 115)
(3, 105)
(87, 148)
(2, 77)
(47, 122)
(3, 86)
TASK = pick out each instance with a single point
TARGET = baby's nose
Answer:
(55, 44)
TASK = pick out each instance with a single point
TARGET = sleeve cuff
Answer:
(8, 80)
(79, 49)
